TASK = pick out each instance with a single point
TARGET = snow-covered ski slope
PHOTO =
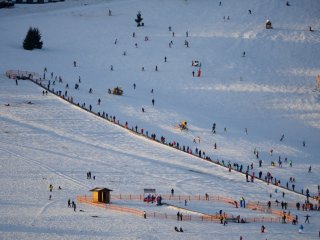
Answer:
(271, 91)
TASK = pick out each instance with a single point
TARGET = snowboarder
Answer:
(301, 228)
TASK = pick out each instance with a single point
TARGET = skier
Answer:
(172, 192)
(309, 171)
(109, 12)
(307, 218)
(69, 203)
(99, 101)
(152, 102)
(165, 59)
(134, 86)
(156, 68)
(192, 73)
(74, 63)
(263, 228)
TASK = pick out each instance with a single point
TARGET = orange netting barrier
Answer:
(88, 200)
(202, 218)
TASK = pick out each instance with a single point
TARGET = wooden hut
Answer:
(268, 24)
(101, 195)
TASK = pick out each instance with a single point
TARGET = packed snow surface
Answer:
(257, 85)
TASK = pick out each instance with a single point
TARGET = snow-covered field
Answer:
(271, 92)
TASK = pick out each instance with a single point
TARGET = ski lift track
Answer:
(157, 141)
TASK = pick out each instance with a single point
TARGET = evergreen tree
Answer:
(139, 19)
(32, 39)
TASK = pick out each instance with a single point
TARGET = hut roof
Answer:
(99, 189)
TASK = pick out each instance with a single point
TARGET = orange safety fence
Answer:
(174, 197)
(199, 218)
(88, 200)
